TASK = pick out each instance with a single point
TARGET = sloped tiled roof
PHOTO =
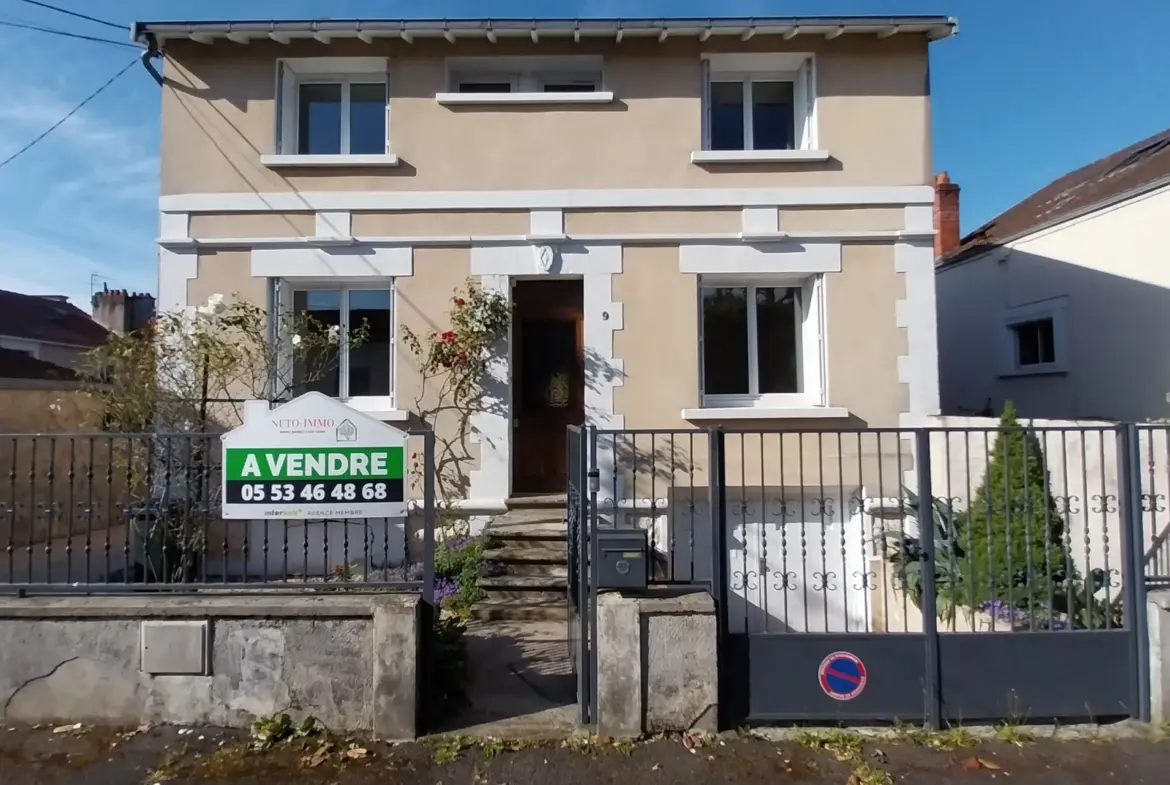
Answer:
(43, 319)
(1099, 184)
(19, 365)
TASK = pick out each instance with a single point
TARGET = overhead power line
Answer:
(67, 34)
(72, 112)
(66, 11)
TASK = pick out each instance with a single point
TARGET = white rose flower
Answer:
(296, 340)
(334, 333)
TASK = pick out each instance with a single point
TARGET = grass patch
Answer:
(1012, 733)
(843, 744)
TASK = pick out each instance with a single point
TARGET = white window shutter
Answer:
(702, 375)
(280, 68)
(805, 100)
(705, 101)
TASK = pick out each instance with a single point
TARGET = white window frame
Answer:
(370, 403)
(810, 347)
(797, 68)
(527, 76)
(1055, 309)
(293, 72)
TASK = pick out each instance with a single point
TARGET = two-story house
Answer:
(699, 221)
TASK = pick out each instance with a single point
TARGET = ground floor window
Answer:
(755, 337)
(347, 370)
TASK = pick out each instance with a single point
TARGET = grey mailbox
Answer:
(621, 559)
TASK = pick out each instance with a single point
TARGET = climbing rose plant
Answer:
(454, 363)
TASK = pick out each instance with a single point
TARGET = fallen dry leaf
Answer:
(356, 752)
(67, 728)
(690, 742)
(973, 763)
(319, 756)
(989, 764)
(655, 767)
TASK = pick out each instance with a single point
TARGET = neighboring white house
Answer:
(1062, 304)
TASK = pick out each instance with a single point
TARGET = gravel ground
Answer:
(110, 756)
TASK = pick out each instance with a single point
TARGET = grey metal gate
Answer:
(581, 522)
(1069, 645)
(1019, 596)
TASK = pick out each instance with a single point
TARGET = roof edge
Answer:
(1102, 204)
(936, 27)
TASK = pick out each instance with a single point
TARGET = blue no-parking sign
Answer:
(842, 676)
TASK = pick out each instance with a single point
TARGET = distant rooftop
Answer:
(369, 30)
(1116, 177)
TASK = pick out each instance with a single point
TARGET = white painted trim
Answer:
(527, 99)
(917, 313)
(497, 266)
(343, 160)
(778, 258)
(175, 269)
(1053, 308)
(293, 201)
(681, 238)
(546, 223)
(334, 224)
(765, 413)
(919, 218)
(335, 66)
(174, 225)
(754, 62)
(760, 221)
(348, 262)
(758, 156)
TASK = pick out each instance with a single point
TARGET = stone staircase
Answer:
(530, 543)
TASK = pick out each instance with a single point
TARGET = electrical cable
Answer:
(67, 34)
(76, 14)
(72, 112)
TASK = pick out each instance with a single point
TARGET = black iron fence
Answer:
(825, 531)
(93, 513)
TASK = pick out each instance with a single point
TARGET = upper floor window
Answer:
(567, 79)
(341, 117)
(332, 108)
(758, 102)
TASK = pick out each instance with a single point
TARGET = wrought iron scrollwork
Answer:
(822, 507)
(823, 581)
(865, 580)
(743, 580)
(1104, 502)
(1153, 502)
(785, 581)
(1067, 505)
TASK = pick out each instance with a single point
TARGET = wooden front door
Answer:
(548, 390)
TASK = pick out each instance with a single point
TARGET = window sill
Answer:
(288, 161)
(1048, 369)
(378, 409)
(505, 99)
(766, 413)
(758, 156)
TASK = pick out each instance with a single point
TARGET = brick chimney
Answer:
(120, 311)
(946, 216)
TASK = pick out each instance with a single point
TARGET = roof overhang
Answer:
(370, 30)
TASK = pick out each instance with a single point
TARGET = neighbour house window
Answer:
(758, 110)
(346, 371)
(753, 342)
(1035, 342)
(1034, 338)
(324, 110)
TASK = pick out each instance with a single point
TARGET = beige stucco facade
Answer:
(611, 189)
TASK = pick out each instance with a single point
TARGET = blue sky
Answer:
(1029, 90)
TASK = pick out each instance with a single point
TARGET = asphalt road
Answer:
(107, 756)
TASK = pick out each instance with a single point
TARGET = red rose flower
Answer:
(448, 337)
(459, 301)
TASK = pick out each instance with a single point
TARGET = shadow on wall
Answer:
(1117, 369)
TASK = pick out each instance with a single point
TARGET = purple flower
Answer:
(445, 587)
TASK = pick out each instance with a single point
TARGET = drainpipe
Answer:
(152, 53)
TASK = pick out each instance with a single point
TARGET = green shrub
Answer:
(457, 568)
(1013, 534)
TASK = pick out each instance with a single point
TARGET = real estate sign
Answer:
(313, 457)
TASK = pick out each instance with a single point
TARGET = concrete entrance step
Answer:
(526, 553)
(547, 530)
(522, 610)
(546, 501)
